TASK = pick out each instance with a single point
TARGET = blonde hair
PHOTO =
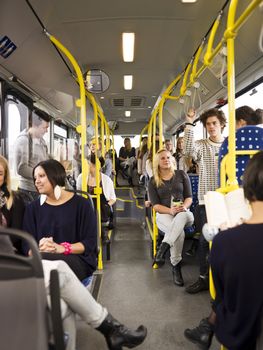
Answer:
(156, 170)
(7, 181)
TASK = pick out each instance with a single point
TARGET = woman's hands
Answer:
(177, 209)
(47, 245)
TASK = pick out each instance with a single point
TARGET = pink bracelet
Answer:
(68, 248)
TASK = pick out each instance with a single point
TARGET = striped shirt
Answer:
(205, 153)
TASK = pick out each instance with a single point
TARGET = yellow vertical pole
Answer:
(230, 38)
(161, 105)
(149, 141)
(155, 229)
(113, 161)
(102, 137)
(80, 103)
(97, 189)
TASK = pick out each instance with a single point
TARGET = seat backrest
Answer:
(23, 301)
(248, 138)
(194, 179)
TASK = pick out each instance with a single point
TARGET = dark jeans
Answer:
(203, 248)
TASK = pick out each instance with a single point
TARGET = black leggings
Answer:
(81, 269)
(203, 248)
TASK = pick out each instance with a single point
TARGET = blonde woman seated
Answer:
(108, 196)
(171, 196)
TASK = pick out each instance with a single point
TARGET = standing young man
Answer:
(205, 153)
(30, 149)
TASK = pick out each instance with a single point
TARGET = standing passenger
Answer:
(30, 149)
(171, 196)
(205, 153)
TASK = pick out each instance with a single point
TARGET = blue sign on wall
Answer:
(6, 47)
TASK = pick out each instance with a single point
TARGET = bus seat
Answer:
(247, 138)
(194, 179)
(23, 300)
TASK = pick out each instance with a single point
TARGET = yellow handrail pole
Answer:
(102, 137)
(169, 89)
(149, 141)
(161, 105)
(195, 62)
(97, 189)
(230, 39)
(155, 229)
(80, 103)
(209, 52)
(155, 233)
(183, 87)
(113, 160)
(244, 16)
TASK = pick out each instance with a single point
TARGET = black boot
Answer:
(160, 255)
(201, 335)
(177, 275)
(117, 335)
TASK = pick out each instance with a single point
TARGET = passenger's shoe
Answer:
(117, 335)
(193, 248)
(200, 285)
(160, 255)
(201, 335)
(177, 275)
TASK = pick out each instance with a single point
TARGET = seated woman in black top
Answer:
(237, 267)
(63, 223)
(171, 196)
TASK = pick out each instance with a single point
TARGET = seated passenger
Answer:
(81, 302)
(237, 267)
(108, 196)
(63, 223)
(171, 196)
(11, 204)
(127, 159)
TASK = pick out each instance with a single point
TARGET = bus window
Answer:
(251, 98)
(14, 127)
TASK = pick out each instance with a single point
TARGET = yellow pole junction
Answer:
(80, 103)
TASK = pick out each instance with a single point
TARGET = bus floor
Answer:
(137, 294)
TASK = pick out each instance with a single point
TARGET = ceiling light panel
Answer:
(128, 82)
(128, 40)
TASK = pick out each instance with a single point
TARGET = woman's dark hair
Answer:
(248, 114)
(55, 171)
(213, 112)
(253, 178)
(92, 159)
